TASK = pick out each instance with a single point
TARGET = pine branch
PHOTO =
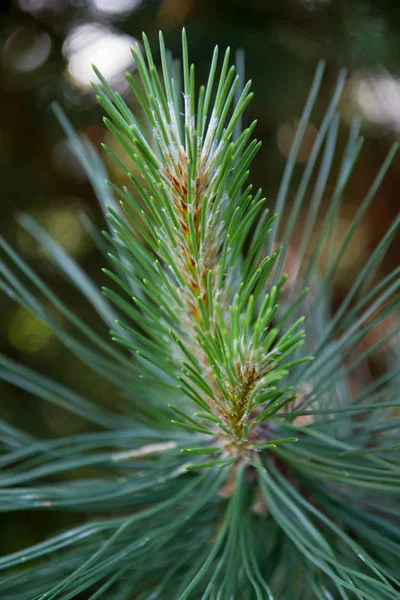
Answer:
(198, 490)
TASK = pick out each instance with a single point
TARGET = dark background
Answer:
(46, 47)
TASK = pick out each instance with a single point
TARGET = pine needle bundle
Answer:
(256, 457)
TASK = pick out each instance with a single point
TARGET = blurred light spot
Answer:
(38, 6)
(93, 43)
(378, 98)
(26, 49)
(27, 332)
(285, 137)
(65, 162)
(65, 226)
(114, 7)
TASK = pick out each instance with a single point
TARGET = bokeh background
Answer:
(46, 51)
